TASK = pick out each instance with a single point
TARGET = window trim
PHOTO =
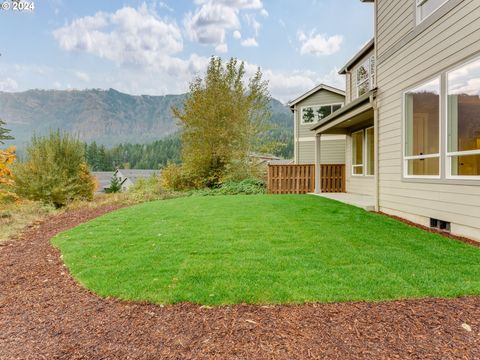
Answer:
(419, 4)
(317, 105)
(406, 158)
(366, 151)
(449, 155)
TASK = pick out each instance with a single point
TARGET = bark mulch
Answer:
(45, 314)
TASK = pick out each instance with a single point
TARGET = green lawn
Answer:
(263, 249)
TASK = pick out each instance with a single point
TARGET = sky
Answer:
(153, 47)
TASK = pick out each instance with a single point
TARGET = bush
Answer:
(55, 171)
(245, 187)
(174, 178)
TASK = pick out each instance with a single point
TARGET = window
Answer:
(363, 152)
(370, 143)
(314, 113)
(463, 121)
(365, 76)
(422, 131)
(357, 153)
(425, 8)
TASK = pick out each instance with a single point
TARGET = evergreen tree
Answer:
(4, 133)
(115, 185)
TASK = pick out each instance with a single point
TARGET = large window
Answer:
(357, 153)
(363, 150)
(365, 74)
(463, 121)
(315, 113)
(427, 7)
(422, 131)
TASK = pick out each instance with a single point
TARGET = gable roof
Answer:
(314, 90)
(366, 48)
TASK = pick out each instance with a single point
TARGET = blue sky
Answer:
(157, 47)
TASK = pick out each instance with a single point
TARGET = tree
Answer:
(55, 171)
(7, 157)
(4, 132)
(223, 118)
(115, 185)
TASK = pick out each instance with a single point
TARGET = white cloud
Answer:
(82, 76)
(135, 36)
(212, 19)
(319, 44)
(8, 85)
(253, 23)
(221, 48)
(237, 35)
(250, 42)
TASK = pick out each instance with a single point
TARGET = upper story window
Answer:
(314, 113)
(427, 7)
(365, 74)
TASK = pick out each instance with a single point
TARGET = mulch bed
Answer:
(45, 314)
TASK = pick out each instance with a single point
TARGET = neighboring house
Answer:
(412, 114)
(309, 109)
(128, 177)
(263, 159)
(103, 179)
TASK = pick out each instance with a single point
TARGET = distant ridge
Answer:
(108, 117)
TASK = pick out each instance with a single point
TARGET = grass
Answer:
(264, 249)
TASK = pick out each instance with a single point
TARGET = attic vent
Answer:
(439, 224)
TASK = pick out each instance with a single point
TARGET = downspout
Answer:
(373, 101)
(376, 130)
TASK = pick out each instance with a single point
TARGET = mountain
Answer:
(108, 117)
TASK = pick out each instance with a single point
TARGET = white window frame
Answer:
(404, 132)
(418, 7)
(371, 74)
(451, 154)
(316, 106)
(362, 165)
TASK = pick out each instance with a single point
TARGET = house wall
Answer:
(333, 149)
(407, 55)
(364, 185)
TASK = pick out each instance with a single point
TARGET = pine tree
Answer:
(115, 185)
(4, 133)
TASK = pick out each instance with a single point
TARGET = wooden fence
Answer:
(300, 179)
(333, 178)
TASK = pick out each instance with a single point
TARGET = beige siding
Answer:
(332, 151)
(348, 92)
(445, 43)
(356, 184)
(353, 76)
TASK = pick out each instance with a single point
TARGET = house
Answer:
(412, 114)
(128, 177)
(308, 109)
(103, 179)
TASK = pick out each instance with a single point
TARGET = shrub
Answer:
(7, 158)
(245, 187)
(174, 178)
(55, 171)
